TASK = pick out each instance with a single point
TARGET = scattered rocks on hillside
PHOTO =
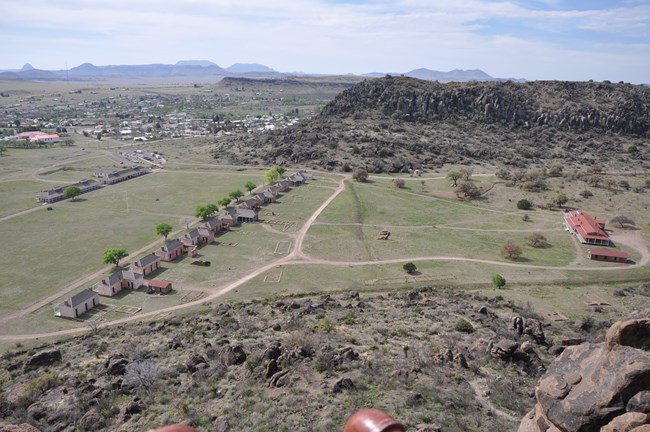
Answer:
(196, 362)
(524, 355)
(24, 427)
(221, 424)
(45, 357)
(130, 408)
(593, 387)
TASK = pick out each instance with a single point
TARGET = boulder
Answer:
(92, 421)
(504, 349)
(634, 333)
(221, 424)
(116, 364)
(196, 362)
(271, 368)
(640, 402)
(128, 409)
(42, 358)
(592, 387)
(343, 384)
(232, 355)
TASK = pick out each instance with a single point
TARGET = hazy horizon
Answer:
(540, 39)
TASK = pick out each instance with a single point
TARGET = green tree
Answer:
(280, 170)
(498, 281)
(71, 192)
(409, 268)
(224, 202)
(163, 229)
(454, 176)
(114, 255)
(271, 176)
(3, 149)
(205, 211)
(69, 142)
(250, 186)
(235, 195)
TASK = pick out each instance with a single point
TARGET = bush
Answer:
(498, 281)
(586, 193)
(360, 175)
(464, 326)
(524, 204)
(536, 240)
(511, 250)
(399, 183)
(409, 268)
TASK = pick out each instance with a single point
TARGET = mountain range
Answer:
(204, 69)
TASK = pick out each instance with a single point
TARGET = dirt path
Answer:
(635, 240)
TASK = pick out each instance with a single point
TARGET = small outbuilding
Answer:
(78, 304)
(159, 286)
(607, 255)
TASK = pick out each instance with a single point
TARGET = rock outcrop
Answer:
(42, 358)
(597, 387)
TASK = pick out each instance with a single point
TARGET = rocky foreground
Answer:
(436, 359)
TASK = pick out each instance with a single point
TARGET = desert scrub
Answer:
(464, 326)
(36, 387)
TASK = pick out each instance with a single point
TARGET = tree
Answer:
(3, 149)
(468, 189)
(235, 195)
(224, 202)
(524, 204)
(511, 250)
(69, 142)
(622, 221)
(536, 240)
(466, 172)
(250, 186)
(163, 229)
(114, 255)
(454, 176)
(205, 211)
(560, 199)
(271, 176)
(280, 170)
(399, 183)
(141, 374)
(360, 175)
(498, 281)
(409, 268)
(71, 192)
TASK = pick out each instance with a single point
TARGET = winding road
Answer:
(296, 257)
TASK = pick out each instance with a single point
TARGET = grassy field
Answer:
(61, 245)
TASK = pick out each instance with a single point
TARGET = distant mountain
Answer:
(458, 75)
(242, 68)
(27, 67)
(202, 63)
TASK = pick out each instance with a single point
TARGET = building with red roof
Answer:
(607, 255)
(587, 229)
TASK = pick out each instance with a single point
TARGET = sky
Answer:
(533, 39)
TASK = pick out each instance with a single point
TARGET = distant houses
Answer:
(134, 276)
(111, 175)
(57, 194)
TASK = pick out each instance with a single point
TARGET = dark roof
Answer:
(81, 297)
(246, 213)
(159, 283)
(172, 245)
(212, 223)
(113, 279)
(204, 231)
(192, 234)
(146, 260)
(609, 253)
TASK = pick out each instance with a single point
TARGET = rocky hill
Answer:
(396, 123)
(429, 356)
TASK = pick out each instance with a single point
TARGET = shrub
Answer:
(464, 326)
(360, 175)
(399, 183)
(511, 250)
(326, 325)
(498, 281)
(536, 240)
(524, 204)
(409, 268)
(586, 193)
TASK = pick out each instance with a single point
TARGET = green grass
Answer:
(17, 195)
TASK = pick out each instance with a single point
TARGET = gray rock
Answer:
(232, 355)
(92, 421)
(42, 358)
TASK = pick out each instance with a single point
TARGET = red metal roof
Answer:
(586, 226)
(609, 253)
(157, 283)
